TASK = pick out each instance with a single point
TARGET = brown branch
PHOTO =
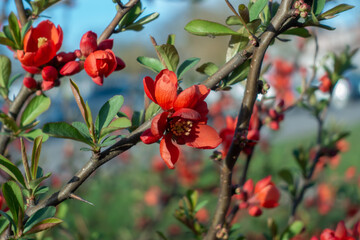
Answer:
(21, 12)
(244, 117)
(119, 15)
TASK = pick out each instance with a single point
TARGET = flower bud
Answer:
(120, 64)
(29, 82)
(31, 69)
(64, 57)
(78, 53)
(303, 14)
(47, 85)
(49, 73)
(88, 43)
(106, 44)
(72, 68)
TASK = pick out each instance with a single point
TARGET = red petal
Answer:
(166, 89)
(187, 113)
(205, 137)
(262, 184)
(98, 80)
(249, 187)
(191, 96)
(340, 230)
(149, 87)
(168, 151)
(158, 124)
(255, 211)
(148, 138)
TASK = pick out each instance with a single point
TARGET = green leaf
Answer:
(239, 74)
(237, 43)
(244, 14)
(36, 182)
(31, 135)
(82, 129)
(151, 63)
(107, 112)
(294, 229)
(37, 217)
(287, 176)
(233, 20)
(8, 42)
(8, 34)
(332, 12)
(13, 78)
(15, 30)
(80, 102)
(35, 156)
(40, 5)
(9, 122)
(138, 25)
(65, 130)
(170, 56)
(137, 119)
(5, 71)
(301, 32)
(201, 205)
(257, 8)
(12, 170)
(36, 106)
(44, 224)
(318, 6)
(186, 66)
(152, 109)
(171, 39)
(117, 124)
(14, 199)
(41, 190)
(161, 235)
(131, 16)
(207, 28)
(208, 68)
(9, 219)
(26, 28)
(193, 197)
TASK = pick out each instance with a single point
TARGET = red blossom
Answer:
(325, 84)
(340, 233)
(183, 120)
(40, 44)
(100, 64)
(264, 195)
(88, 43)
(72, 68)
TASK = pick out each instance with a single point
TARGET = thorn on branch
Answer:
(73, 196)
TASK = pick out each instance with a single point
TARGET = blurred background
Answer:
(135, 196)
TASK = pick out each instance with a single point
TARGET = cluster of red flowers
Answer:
(275, 116)
(340, 233)
(39, 55)
(183, 120)
(265, 195)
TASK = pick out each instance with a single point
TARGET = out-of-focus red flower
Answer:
(88, 43)
(202, 215)
(29, 82)
(183, 120)
(71, 68)
(280, 80)
(157, 164)
(100, 64)
(187, 171)
(265, 194)
(340, 233)
(152, 196)
(325, 199)
(40, 44)
(49, 73)
(350, 173)
(325, 83)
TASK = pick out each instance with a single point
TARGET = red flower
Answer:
(99, 64)
(40, 44)
(183, 120)
(325, 84)
(340, 233)
(264, 195)
(88, 43)
(49, 73)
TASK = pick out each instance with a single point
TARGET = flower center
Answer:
(181, 127)
(42, 41)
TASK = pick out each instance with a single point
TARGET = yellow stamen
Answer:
(41, 41)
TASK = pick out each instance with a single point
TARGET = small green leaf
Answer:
(82, 129)
(12, 170)
(37, 217)
(207, 28)
(5, 71)
(131, 16)
(41, 190)
(332, 12)
(137, 119)
(80, 102)
(233, 20)
(44, 224)
(31, 135)
(257, 8)
(151, 63)
(186, 66)
(117, 124)
(8, 42)
(301, 32)
(171, 39)
(152, 109)
(318, 6)
(9, 122)
(65, 130)
(244, 14)
(170, 56)
(36, 182)
(286, 175)
(201, 205)
(36, 106)
(35, 156)
(26, 28)
(13, 78)
(107, 112)
(15, 29)
(208, 68)
(161, 235)
(9, 219)
(236, 43)
(138, 25)
(294, 229)
(239, 74)
(14, 199)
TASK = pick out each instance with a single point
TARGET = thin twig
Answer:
(21, 12)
